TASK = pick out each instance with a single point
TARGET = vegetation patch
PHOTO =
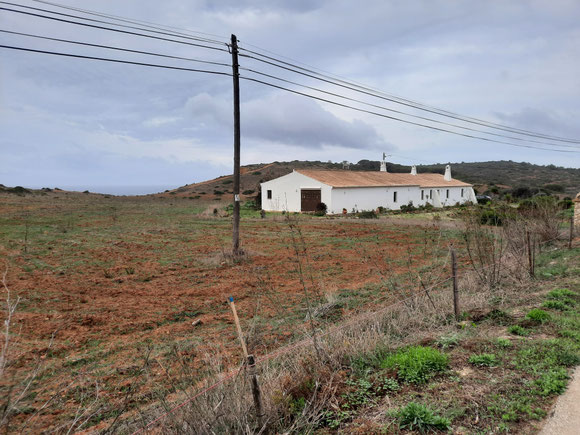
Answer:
(416, 364)
(484, 360)
(418, 417)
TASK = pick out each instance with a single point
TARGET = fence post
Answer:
(455, 289)
(530, 255)
(571, 231)
(251, 366)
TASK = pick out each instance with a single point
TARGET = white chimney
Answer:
(413, 170)
(447, 176)
(383, 166)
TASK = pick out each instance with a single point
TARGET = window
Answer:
(269, 194)
(430, 193)
(447, 194)
(422, 195)
(462, 193)
(394, 196)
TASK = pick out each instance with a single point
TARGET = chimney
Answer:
(383, 166)
(413, 170)
(447, 176)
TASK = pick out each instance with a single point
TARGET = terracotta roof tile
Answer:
(379, 179)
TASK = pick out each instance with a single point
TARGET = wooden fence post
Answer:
(530, 254)
(257, 395)
(571, 231)
(455, 289)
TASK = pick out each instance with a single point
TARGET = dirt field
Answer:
(111, 289)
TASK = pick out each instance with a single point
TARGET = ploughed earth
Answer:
(123, 300)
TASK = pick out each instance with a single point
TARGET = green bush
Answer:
(539, 316)
(417, 417)
(367, 214)
(417, 364)
(484, 360)
(555, 305)
(321, 209)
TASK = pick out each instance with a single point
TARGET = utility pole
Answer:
(236, 77)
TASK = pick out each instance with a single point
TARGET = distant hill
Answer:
(504, 174)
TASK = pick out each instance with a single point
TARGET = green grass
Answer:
(484, 360)
(538, 316)
(519, 330)
(416, 364)
(419, 417)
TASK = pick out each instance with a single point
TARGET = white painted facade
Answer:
(284, 194)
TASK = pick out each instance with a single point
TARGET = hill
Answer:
(503, 174)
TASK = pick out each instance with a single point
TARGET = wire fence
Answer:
(310, 340)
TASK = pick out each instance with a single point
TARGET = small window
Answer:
(422, 195)
(269, 194)
(447, 194)
(394, 196)
(430, 193)
(462, 193)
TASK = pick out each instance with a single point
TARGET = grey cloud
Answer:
(288, 119)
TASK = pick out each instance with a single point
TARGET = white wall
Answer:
(369, 198)
(286, 192)
(439, 197)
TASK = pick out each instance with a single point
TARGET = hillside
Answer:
(506, 174)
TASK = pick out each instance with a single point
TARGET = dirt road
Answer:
(565, 418)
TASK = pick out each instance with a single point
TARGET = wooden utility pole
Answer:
(455, 288)
(236, 78)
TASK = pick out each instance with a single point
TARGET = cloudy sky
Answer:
(125, 128)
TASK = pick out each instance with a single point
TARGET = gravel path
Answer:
(565, 418)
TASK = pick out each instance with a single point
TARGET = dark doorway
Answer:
(309, 199)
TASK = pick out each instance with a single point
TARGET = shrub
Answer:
(539, 316)
(484, 360)
(321, 209)
(248, 192)
(518, 330)
(417, 364)
(368, 214)
(417, 417)
(408, 208)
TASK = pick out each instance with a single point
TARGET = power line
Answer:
(150, 24)
(404, 113)
(114, 24)
(113, 30)
(419, 106)
(401, 120)
(108, 47)
(78, 56)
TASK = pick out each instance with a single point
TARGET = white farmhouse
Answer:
(304, 189)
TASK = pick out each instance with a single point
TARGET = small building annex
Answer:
(304, 189)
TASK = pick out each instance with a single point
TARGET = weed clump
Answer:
(503, 342)
(418, 417)
(484, 360)
(518, 330)
(552, 382)
(417, 364)
(539, 316)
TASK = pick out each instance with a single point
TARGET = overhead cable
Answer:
(108, 47)
(114, 24)
(181, 31)
(401, 120)
(419, 106)
(78, 56)
(405, 113)
(114, 30)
